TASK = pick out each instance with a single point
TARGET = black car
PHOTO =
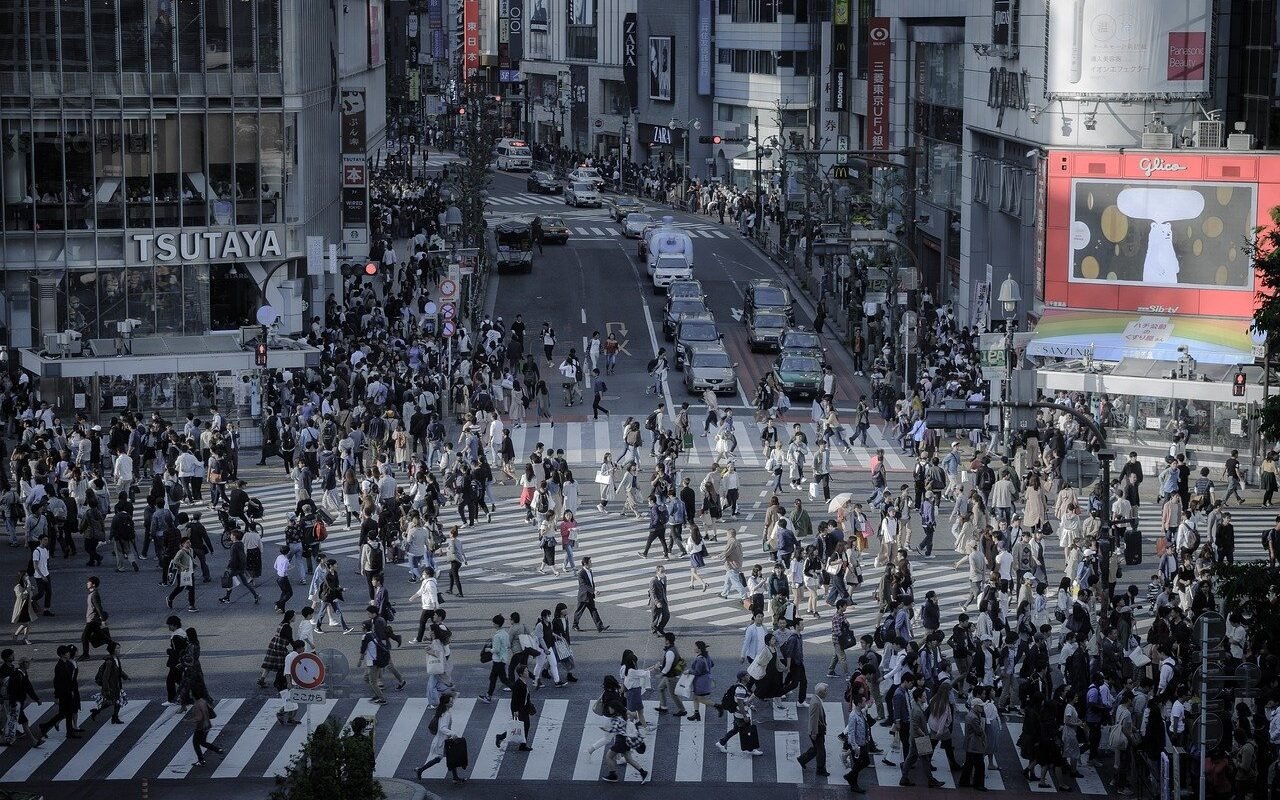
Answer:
(694, 330)
(763, 294)
(677, 309)
(542, 183)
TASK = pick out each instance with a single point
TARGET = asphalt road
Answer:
(589, 284)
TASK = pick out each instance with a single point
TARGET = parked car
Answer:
(763, 293)
(587, 175)
(553, 229)
(621, 205)
(540, 182)
(709, 367)
(676, 309)
(764, 328)
(581, 193)
(799, 376)
(694, 330)
(634, 224)
(802, 341)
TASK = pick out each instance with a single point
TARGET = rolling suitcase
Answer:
(1132, 547)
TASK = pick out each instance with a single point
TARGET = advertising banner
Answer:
(1158, 233)
(661, 67)
(470, 38)
(879, 52)
(1119, 48)
(840, 37)
(704, 47)
(631, 58)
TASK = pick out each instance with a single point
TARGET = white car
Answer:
(581, 193)
(587, 174)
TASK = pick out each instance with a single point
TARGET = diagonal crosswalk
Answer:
(155, 743)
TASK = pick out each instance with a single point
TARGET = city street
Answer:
(593, 283)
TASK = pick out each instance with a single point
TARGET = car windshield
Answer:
(802, 340)
(769, 321)
(770, 296)
(584, 187)
(699, 332)
(713, 360)
(638, 219)
(687, 305)
(799, 364)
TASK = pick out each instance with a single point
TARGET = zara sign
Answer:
(190, 246)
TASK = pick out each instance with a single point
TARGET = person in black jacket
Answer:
(521, 703)
(66, 691)
(236, 565)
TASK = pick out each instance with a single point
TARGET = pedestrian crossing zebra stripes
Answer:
(155, 742)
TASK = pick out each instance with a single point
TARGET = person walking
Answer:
(817, 732)
(237, 564)
(110, 679)
(183, 570)
(587, 597)
(442, 731)
(202, 717)
(66, 693)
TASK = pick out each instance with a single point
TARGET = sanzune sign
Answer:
(1155, 232)
(878, 55)
(470, 38)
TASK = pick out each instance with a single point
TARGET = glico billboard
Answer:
(1155, 231)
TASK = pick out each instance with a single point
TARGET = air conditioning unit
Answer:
(1240, 142)
(1157, 141)
(1208, 133)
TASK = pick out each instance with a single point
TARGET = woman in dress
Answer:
(279, 646)
(441, 727)
(697, 556)
(22, 616)
(112, 681)
(548, 535)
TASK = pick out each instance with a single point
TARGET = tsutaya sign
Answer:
(255, 244)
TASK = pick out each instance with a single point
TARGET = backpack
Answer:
(375, 559)
(320, 532)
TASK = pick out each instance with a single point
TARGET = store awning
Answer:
(1114, 336)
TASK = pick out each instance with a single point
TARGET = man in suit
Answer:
(658, 601)
(66, 691)
(587, 596)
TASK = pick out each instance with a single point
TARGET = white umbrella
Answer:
(842, 499)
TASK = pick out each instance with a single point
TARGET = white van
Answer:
(514, 155)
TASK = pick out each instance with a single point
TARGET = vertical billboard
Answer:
(1120, 48)
(470, 38)
(1155, 232)
(840, 36)
(879, 53)
(661, 67)
(631, 59)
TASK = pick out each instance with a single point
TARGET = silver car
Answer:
(633, 224)
(709, 367)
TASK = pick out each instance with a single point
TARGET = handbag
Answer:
(604, 477)
(684, 686)
(435, 664)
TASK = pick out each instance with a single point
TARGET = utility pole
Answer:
(759, 199)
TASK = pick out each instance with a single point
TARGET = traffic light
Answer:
(1238, 385)
(260, 354)
(371, 269)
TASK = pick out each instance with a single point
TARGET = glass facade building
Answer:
(122, 119)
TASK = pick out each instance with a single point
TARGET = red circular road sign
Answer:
(307, 671)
